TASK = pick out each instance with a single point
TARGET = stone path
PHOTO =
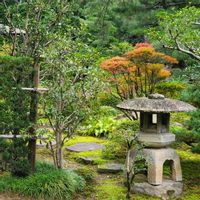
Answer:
(88, 160)
(85, 146)
(110, 168)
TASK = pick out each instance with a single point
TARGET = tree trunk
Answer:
(59, 155)
(128, 185)
(33, 116)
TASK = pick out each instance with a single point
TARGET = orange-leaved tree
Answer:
(138, 71)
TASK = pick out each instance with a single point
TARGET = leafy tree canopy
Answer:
(179, 31)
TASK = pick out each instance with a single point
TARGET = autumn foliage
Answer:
(138, 71)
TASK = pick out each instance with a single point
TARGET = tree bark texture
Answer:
(59, 154)
(33, 116)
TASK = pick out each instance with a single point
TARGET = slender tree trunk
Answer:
(59, 150)
(33, 116)
(128, 186)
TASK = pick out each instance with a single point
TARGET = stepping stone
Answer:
(85, 146)
(88, 160)
(110, 168)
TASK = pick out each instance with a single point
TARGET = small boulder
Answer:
(110, 168)
(88, 160)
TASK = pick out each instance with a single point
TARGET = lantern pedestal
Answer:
(156, 158)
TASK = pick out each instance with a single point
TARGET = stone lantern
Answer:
(154, 134)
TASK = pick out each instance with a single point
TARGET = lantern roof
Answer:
(156, 103)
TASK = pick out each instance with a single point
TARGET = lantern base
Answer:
(167, 190)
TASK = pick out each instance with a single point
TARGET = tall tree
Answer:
(72, 78)
(30, 26)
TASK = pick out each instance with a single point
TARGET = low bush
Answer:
(20, 168)
(189, 137)
(185, 135)
(107, 99)
(113, 151)
(87, 173)
(119, 137)
(171, 89)
(196, 149)
(46, 183)
(14, 156)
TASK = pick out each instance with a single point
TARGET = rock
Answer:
(156, 96)
(167, 190)
(85, 146)
(110, 168)
(88, 160)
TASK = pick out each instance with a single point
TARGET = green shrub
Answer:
(87, 173)
(190, 134)
(46, 183)
(189, 137)
(171, 89)
(194, 122)
(179, 117)
(20, 168)
(114, 150)
(196, 149)
(119, 137)
(14, 155)
(106, 99)
(124, 130)
(185, 135)
(192, 94)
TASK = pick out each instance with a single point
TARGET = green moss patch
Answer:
(110, 190)
(78, 139)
